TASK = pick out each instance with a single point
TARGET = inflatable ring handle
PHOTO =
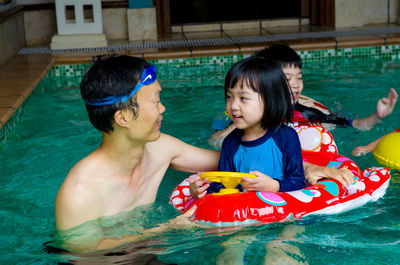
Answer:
(229, 179)
(225, 174)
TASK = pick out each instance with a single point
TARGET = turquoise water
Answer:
(51, 133)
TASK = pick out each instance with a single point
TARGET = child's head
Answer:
(257, 94)
(107, 87)
(291, 65)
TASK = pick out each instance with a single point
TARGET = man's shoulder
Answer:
(163, 139)
(76, 188)
(76, 182)
(164, 143)
(75, 203)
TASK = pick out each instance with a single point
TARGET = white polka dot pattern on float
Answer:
(181, 194)
(315, 139)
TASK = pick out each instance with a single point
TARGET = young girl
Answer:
(258, 101)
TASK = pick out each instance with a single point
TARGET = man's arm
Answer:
(89, 237)
(189, 158)
(76, 218)
(384, 107)
(314, 173)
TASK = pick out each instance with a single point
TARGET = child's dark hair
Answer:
(267, 79)
(282, 54)
(112, 76)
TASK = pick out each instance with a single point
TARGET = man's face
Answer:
(146, 126)
(294, 76)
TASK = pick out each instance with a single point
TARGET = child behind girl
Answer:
(258, 101)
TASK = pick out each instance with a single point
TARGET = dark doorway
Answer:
(181, 12)
(211, 11)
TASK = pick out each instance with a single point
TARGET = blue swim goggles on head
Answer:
(148, 77)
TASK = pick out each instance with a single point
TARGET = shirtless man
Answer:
(122, 98)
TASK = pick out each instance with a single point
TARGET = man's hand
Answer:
(260, 183)
(385, 106)
(182, 221)
(198, 187)
(314, 173)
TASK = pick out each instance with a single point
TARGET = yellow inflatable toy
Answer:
(387, 152)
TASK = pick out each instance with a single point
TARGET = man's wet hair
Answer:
(111, 76)
(282, 54)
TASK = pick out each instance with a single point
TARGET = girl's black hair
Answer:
(113, 76)
(282, 54)
(267, 79)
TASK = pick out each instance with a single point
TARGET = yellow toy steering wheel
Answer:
(229, 179)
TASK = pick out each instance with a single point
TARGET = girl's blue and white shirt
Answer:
(276, 154)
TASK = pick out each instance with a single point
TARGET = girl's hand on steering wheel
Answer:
(197, 187)
(261, 182)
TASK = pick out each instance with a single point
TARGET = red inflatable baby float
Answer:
(326, 197)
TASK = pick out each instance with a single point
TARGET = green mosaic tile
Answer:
(69, 70)
(386, 52)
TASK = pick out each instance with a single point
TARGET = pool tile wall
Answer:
(383, 52)
(64, 72)
(387, 52)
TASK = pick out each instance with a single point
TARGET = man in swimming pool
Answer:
(122, 98)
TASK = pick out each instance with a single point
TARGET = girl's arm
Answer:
(262, 183)
(292, 162)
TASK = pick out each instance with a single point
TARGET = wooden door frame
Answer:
(322, 13)
(163, 15)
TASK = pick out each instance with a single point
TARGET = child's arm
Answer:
(363, 150)
(384, 107)
(293, 171)
(198, 187)
(262, 183)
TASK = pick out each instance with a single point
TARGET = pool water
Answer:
(52, 132)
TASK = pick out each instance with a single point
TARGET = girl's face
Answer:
(246, 108)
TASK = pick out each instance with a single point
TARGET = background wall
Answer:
(12, 36)
(358, 13)
(40, 26)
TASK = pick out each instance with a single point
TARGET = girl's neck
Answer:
(253, 133)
